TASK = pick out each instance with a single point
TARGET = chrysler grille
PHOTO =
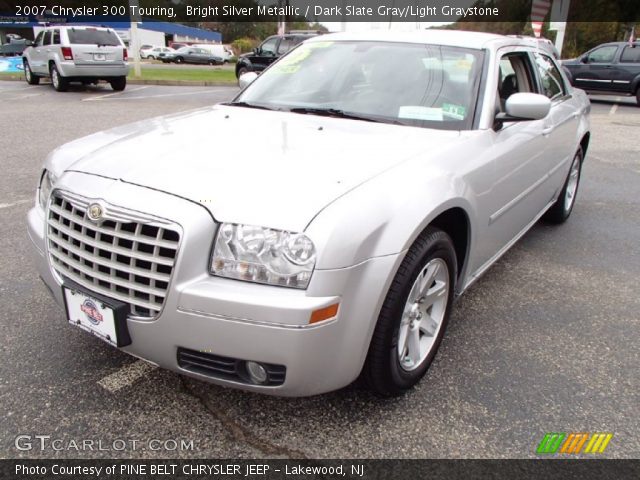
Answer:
(129, 261)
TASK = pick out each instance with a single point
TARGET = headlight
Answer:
(263, 255)
(46, 185)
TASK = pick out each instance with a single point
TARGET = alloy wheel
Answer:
(423, 314)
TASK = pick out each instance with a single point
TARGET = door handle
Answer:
(546, 131)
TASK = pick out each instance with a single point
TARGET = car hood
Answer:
(275, 169)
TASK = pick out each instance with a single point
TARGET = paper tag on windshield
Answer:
(416, 112)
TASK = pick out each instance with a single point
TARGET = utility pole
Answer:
(560, 12)
(134, 42)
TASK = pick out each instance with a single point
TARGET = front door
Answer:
(595, 72)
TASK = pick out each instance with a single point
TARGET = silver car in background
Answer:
(77, 54)
(390, 170)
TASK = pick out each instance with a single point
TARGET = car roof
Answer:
(453, 38)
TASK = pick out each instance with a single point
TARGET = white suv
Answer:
(77, 54)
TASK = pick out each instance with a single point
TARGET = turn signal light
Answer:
(324, 313)
(67, 53)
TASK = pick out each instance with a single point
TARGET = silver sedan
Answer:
(385, 173)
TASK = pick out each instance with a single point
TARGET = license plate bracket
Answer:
(99, 315)
(99, 57)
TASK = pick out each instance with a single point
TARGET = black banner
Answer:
(321, 469)
(315, 10)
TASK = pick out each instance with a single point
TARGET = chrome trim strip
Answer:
(286, 326)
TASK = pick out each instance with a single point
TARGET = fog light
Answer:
(257, 373)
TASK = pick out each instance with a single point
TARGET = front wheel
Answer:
(413, 317)
(561, 209)
(119, 83)
(29, 76)
(179, 59)
(60, 83)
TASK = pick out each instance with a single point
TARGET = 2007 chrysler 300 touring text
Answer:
(393, 170)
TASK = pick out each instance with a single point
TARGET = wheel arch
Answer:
(584, 143)
(455, 222)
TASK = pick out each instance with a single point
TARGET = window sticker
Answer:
(416, 112)
(457, 112)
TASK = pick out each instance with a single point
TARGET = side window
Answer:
(630, 55)
(602, 54)
(56, 37)
(39, 39)
(47, 37)
(515, 76)
(551, 79)
(285, 45)
(269, 46)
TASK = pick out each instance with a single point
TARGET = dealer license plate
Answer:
(99, 57)
(91, 315)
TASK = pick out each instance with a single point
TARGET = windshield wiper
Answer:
(335, 112)
(248, 105)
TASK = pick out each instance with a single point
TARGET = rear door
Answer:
(560, 125)
(627, 68)
(95, 46)
(37, 55)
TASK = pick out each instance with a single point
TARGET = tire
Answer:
(60, 84)
(392, 366)
(242, 71)
(151, 57)
(29, 75)
(638, 96)
(563, 206)
(179, 60)
(118, 83)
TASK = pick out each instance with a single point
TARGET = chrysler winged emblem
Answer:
(95, 212)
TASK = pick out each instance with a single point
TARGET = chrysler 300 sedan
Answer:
(393, 170)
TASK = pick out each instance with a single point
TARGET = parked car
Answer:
(77, 54)
(144, 49)
(14, 47)
(191, 55)
(393, 169)
(608, 69)
(157, 52)
(268, 52)
(219, 50)
(177, 46)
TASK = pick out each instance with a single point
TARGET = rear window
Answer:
(91, 36)
(631, 55)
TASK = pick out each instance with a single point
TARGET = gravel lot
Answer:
(547, 341)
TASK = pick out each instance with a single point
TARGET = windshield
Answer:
(420, 85)
(86, 36)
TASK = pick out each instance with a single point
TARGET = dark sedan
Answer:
(191, 55)
(608, 69)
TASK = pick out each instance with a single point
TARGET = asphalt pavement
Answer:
(547, 341)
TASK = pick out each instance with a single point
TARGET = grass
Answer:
(183, 74)
(10, 75)
(187, 74)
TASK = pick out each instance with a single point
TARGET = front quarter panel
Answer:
(386, 214)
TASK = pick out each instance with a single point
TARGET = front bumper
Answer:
(238, 319)
(72, 70)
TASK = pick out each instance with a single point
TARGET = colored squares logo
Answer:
(572, 443)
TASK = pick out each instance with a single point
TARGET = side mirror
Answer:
(245, 80)
(522, 107)
(584, 59)
(256, 51)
